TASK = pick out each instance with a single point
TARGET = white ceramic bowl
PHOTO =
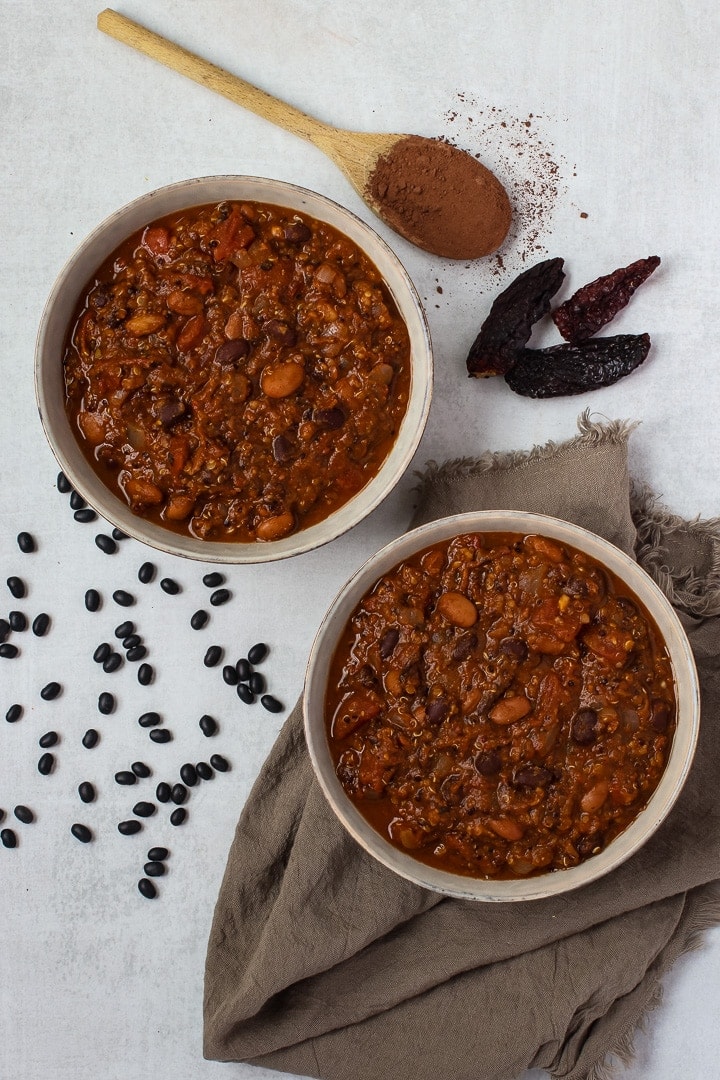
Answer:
(624, 845)
(102, 242)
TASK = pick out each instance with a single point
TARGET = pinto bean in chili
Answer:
(500, 706)
(237, 371)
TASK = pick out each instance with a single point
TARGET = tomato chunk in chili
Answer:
(237, 371)
(500, 706)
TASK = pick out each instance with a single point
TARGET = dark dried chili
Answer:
(595, 304)
(574, 369)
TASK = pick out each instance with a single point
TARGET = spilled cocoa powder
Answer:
(440, 198)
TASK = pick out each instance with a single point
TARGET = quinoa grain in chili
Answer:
(500, 706)
(237, 371)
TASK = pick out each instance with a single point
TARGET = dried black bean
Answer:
(137, 652)
(18, 621)
(86, 791)
(8, 651)
(245, 693)
(63, 484)
(4, 629)
(14, 713)
(76, 501)
(144, 809)
(46, 764)
(129, 828)
(125, 777)
(41, 624)
(170, 586)
(219, 763)
(106, 543)
(154, 869)
(112, 663)
(91, 738)
(92, 600)
(124, 629)
(102, 652)
(257, 683)
(131, 641)
(145, 674)
(118, 534)
(161, 735)
(50, 738)
(106, 703)
(178, 793)
(141, 769)
(81, 833)
(50, 691)
(208, 725)
(188, 774)
(149, 719)
(8, 838)
(213, 656)
(178, 816)
(199, 619)
(146, 573)
(213, 580)
(123, 598)
(162, 792)
(271, 703)
(257, 654)
(24, 814)
(26, 542)
(158, 854)
(147, 889)
(85, 515)
(230, 675)
(204, 771)
(244, 671)
(220, 596)
(16, 586)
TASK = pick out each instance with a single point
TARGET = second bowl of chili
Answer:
(234, 369)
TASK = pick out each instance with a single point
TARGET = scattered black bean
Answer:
(4, 629)
(146, 573)
(81, 833)
(204, 771)
(63, 484)
(129, 828)
(144, 809)
(219, 763)
(50, 691)
(125, 777)
(230, 675)
(46, 764)
(8, 651)
(76, 501)
(257, 683)
(92, 600)
(41, 624)
(26, 542)
(162, 792)
(178, 793)
(18, 621)
(106, 544)
(154, 869)
(188, 774)
(14, 713)
(112, 663)
(271, 703)
(24, 814)
(86, 791)
(123, 598)
(245, 693)
(149, 719)
(147, 889)
(213, 580)
(124, 629)
(257, 654)
(106, 703)
(170, 586)
(50, 738)
(244, 671)
(131, 641)
(137, 652)
(16, 586)
(2, 814)
(199, 619)
(145, 674)
(220, 596)
(158, 854)
(208, 725)
(141, 769)
(178, 816)
(85, 515)
(161, 735)
(102, 652)
(90, 739)
(118, 534)
(213, 656)
(8, 838)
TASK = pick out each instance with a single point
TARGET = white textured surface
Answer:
(94, 981)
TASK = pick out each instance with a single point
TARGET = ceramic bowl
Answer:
(544, 885)
(73, 279)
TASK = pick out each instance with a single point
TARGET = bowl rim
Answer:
(197, 191)
(626, 843)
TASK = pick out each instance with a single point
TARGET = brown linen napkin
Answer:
(322, 962)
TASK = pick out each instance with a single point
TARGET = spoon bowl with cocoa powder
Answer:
(435, 195)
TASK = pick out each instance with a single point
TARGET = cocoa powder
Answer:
(440, 198)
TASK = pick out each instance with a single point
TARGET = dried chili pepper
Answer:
(575, 369)
(594, 305)
(509, 324)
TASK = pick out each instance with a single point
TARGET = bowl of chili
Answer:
(233, 369)
(501, 706)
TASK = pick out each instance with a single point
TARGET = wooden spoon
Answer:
(438, 197)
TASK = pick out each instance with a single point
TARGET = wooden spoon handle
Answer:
(215, 78)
